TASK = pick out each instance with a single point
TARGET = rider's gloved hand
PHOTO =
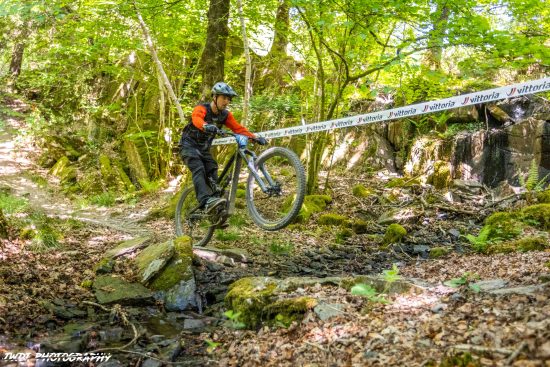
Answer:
(261, 140)
(209, 128)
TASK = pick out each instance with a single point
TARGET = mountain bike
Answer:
(274, 192)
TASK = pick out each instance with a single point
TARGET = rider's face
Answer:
(222, 101)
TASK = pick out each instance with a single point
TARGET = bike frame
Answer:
(231, 172)
(243, 154)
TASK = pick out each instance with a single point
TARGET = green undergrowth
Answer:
(526, 229)
(40, 231)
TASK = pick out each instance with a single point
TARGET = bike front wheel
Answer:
(279, 202)
(192, 221)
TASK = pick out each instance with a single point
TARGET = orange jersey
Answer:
(199, 113)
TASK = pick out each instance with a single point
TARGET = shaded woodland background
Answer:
(100, 103)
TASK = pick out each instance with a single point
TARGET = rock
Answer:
(454, 232)
(112, 335)
(225, 260)
(138, 171)
(420, 249)
(327, 310)
(127, 247)
(105, 266)
(525, 290)
(399, 215)
(438, 308)
(193, 324)
(64, 170)
(110, 289)
(172, 350)
(491, 284)
(175, 284)
(110, 363)
(63, 311)
(151, 363)
(61, 343)
(236, 254)
(152, 260)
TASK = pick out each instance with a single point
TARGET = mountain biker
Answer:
(197, 137)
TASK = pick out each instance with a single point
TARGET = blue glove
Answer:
(209, 128)
(261, 140)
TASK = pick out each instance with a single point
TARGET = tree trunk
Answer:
(280, 37)
(432, 58)
(213, 55)
(248, 72)
(17, 59)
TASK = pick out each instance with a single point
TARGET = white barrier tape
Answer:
(489, 95)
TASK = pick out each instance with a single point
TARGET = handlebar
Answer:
(224, 133)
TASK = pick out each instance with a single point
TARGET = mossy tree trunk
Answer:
(213, 57)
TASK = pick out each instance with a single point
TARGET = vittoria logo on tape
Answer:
(532, 88)
(438, 106)
(401, 113)
(480, 98)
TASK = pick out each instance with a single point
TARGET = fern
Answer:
(532, 183)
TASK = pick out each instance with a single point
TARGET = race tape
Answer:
(514, 90)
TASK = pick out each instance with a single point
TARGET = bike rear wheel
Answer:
(281, 204)
(191, 221)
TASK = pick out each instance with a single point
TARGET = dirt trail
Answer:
(17, 171)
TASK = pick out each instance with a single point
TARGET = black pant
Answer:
(203, 168)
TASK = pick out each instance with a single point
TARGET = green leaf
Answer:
(364, 290)
(392, 275)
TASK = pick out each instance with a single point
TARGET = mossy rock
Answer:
(256, 300)
(343, 235)
(543, 197)
(394, 234)
(360, 226)
(531, 243)
(332, 219)
(438, 252)
(312, 204)
(441, 177)
(361, 191)
(250, 296)
(110, 290)
(64, 170)
(503, 226)
(152, 260)
(135, 163)
(175, 284)
(290, 309)
(104, 266)
(402, 182)
(539, 213)
(127, 247)
(91, 183)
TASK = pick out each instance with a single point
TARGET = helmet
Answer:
(224, 89)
